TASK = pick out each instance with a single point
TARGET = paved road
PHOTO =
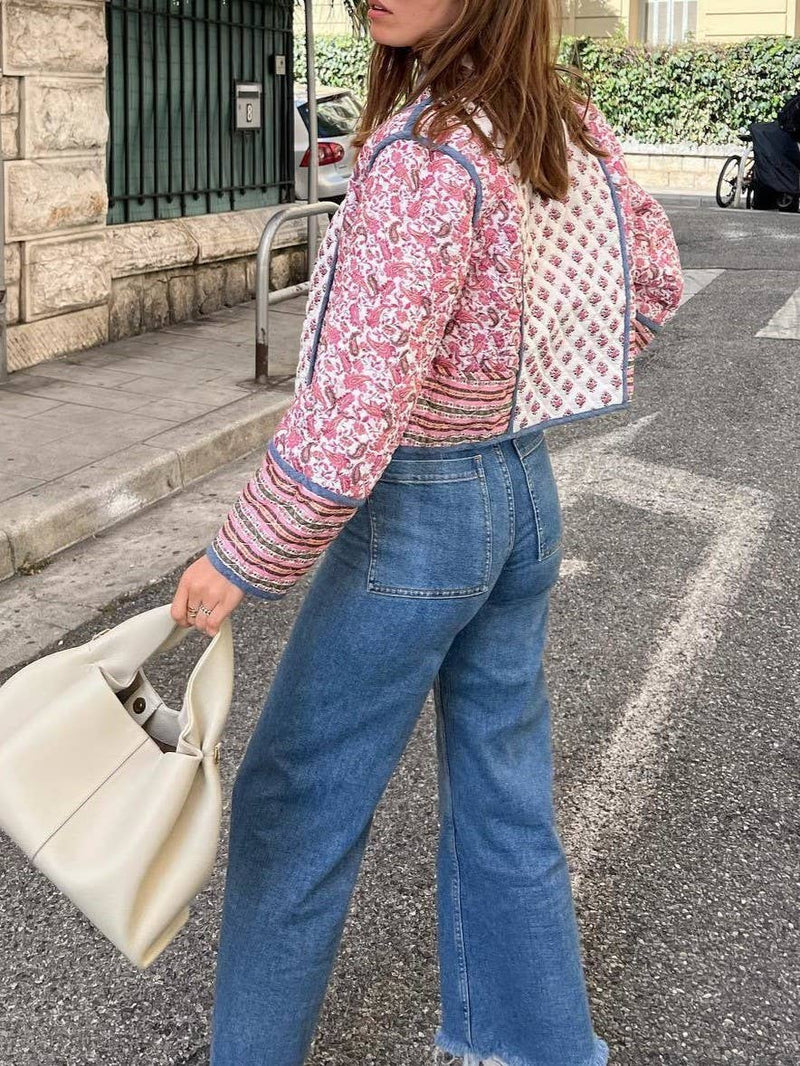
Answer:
(674, 672)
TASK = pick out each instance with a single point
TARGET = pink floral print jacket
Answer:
(449, 303)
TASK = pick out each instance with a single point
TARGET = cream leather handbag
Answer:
(111, 794)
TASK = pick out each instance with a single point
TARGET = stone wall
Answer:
(678, 167)
(54, 130)
(164, 272)
(73, 282)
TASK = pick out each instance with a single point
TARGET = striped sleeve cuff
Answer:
(276, 530)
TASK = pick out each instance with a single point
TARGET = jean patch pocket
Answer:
(430, 528)
(541, 483)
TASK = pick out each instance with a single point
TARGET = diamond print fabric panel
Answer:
(575, 300)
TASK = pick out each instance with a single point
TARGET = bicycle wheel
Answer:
(748, 183)
(788, 201)
(726, 182)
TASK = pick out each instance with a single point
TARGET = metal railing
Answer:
(264, 298)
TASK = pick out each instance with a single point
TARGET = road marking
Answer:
(695, 281)
(736, 518)
(785, 323)
(573, 568)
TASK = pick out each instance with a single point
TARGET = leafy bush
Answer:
(341, 61)
(699, 93)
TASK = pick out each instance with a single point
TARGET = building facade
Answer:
(653, 21)
(132, 198)
(330, 17)
(663, 22)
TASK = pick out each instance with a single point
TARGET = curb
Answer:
(59, 514)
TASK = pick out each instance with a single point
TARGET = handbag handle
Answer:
(121, 650)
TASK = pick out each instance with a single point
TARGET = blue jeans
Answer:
(440, 580)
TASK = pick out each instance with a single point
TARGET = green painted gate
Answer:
(173, 65)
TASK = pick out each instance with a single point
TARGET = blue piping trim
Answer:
(447, 149)
(323, 308)
(654, 327)
(320, 490)
(239, 582)
(583, 415)
(416, 112)
(406, 135)
(627, 272)
(579, 416)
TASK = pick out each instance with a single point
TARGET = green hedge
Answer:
(341, 61)
(699, 93)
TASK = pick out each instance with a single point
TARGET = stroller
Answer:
(768, 173)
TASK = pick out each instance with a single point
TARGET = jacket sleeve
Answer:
(656, 274)
(402, 258)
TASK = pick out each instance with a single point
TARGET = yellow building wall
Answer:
(591, 18)
(731, 20)
(329, 17)
(717, 20)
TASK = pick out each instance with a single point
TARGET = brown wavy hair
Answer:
(502, 56)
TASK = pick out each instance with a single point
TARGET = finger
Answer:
(206, 616)
(180, 602)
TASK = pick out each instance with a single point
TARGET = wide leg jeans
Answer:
(441, 580)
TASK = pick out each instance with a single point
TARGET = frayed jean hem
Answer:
(488, 1057)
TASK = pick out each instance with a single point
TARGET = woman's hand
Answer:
(201, 583)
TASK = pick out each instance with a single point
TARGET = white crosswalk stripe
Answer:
(785, 323)
(612, 799)
(696, 280)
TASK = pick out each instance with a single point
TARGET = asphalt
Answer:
(674, 675)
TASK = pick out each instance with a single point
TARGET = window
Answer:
(669, 21)
(172, 147)
(337, 116)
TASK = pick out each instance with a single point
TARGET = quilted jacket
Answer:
(449, 303)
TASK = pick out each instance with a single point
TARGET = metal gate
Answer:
(173, 66)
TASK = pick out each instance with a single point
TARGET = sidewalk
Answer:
(92, 438)
(683, 198)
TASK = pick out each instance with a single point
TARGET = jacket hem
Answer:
(409, 450)
(653, 326)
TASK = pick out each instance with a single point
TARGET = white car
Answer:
(338, 112)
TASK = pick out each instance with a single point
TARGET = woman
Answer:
(493, 269)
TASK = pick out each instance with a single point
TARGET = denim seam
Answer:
(455, 887)
(537, 515)
(523, 452)
(510, 494)
(398, 590)
(435, 479)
